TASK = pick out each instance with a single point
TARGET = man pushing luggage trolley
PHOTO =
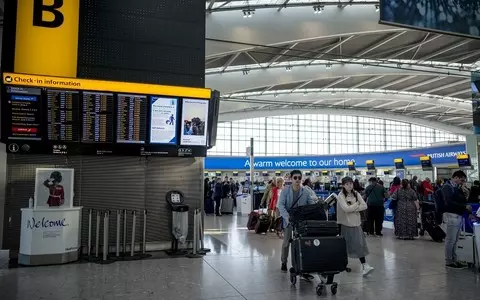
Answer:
(316, 246)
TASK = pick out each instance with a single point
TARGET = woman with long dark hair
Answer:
(406, 212)
(349, 205)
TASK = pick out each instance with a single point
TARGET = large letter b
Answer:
(39, 7)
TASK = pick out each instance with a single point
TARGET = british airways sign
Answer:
(45, 223)
(411, 157)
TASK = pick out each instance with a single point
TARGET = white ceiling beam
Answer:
(253, 59)
(384, 104)
(301, 85)
(466, 56)
(427, 108)
(466, 123)
(444, 50)
(230, 61)
(451, 119)
(335, 82)
(409, 105)
(340, 42)
(447, 86)
(425, 41)
(339, 103)
(396, 82)
(283, 5)
(379, 44)
(459, 92)
(408, 88)
(277, 57)
(375, 78)
(210, 5)
(364, 102)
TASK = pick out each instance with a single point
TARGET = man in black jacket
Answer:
(455, 207)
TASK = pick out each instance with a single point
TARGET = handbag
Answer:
(393, 203)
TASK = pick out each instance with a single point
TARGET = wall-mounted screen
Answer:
(24, 113)
(97, 117)
(163, 121)
(456, 17)
(71, 116)
(131, 119)
(195, 120)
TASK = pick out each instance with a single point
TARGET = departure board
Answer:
(97, 117)
(63, 108)
(131, 119)
(24, 113)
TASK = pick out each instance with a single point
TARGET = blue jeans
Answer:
(454, 225)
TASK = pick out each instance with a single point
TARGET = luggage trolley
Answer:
(317, 248)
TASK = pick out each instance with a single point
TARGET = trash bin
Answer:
(175, 199)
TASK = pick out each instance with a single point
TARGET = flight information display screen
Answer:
(131, 119)
(163, 121)
(24, 116)
(97, 117)
(63, 109)
(75, 116)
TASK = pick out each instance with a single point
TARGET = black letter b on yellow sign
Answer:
(39, 7)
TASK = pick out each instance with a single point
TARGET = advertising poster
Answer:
(458, 17)
(195, 118)
(163, 120)
(476, 102)
(53, 188)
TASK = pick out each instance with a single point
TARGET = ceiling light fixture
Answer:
(288, 68)
(328, 66)
(318, 9)
(248, 13)
(377, 7)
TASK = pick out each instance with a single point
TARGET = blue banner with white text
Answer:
(440, 155)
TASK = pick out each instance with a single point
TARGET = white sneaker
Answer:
(367, 269)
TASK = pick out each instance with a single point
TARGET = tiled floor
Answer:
(243, 265)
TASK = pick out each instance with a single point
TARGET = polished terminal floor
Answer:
(243, 265)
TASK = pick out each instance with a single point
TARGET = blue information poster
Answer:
(163, 121)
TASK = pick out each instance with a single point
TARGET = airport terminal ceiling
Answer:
(271, 57)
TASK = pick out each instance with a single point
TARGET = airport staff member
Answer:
(292, 196)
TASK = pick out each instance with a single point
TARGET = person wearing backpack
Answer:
(375, 194)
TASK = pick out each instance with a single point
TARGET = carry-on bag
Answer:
(430, 226)
(209, 206)
(252, 220)
(307, 212)
(227, 206)
(466, 247)
(317, 228)
(319, 254)
(263, 224)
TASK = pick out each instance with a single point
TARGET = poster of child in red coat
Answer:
(53, 188)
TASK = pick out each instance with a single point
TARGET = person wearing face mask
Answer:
(349, 206)
(292, 196)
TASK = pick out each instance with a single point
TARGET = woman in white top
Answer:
(349, 206)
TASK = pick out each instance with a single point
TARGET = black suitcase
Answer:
(263, 224)
(209, 206)
(317, 228)
(436, 233)
(319, 254)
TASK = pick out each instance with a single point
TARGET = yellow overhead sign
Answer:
(398, 160)
(463, 156)
(46, 38)
(350, 163)
(102, 85)
(425, 158)
(369, 162)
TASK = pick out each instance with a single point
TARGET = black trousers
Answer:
(218, 201)
(375, 219)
